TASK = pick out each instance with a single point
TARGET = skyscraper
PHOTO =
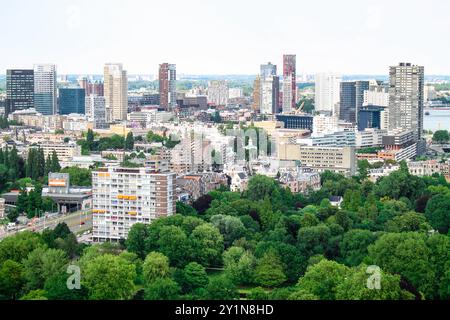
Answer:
(327, 93)
(289, 83)
(45, 99)
(268, 69)
(351, 99)
(167, 86)
(256, 94)
(71, 100)
(19, 90)
(116, 92)
(269, 89)
(406, 90)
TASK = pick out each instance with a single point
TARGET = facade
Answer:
(235, 93)
(19, 90)
(91, 87)
(197, 185)
(270, 88)
(327, 92)
(406, 98)
(370, 117)
(300, 180)
(268, 70)
(218, 92)
(115, 90)
(351, 99)
(64, 151)
(289, 83)
(256, 104)
(72, 100)
(340, 160)
(45, 100)
(167, 86)
(95, 107)
(296, 121)
(123, 197)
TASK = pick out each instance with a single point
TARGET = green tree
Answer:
(221, 288)
(174, 243)
(35, 295)
(41, 264)
(269, 270)
(129, 141)
(406, 254)
(136, 239)
(323, 278)
(239, 265)
(11, 279)
(207, 245)
(194, 276)
(438, 212)
(79, 177)
(441, 136)
(17, 247)
(355, 287)
(354, 246)
(162, 289)
(156, 266)
(231, 228)
(56, 289)
(109, 277)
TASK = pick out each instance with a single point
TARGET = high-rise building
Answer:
(218, 92)
(351, 99)
(91, 87)
(406, 90)
(123, 197)
(45, 99)
(19, 90)
(256, 94)
(95, 110)
(71, 100)
(268, 69)
(167, 86)
(269, 89)
(116, 91)
(327, 93)
(289, 83)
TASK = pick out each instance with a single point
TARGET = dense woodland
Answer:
(263, 244)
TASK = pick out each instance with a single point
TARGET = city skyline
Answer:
(229, 38)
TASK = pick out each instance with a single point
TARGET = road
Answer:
(77, 222)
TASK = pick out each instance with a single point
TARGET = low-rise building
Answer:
(300, 180)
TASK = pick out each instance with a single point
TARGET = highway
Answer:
(77, 222)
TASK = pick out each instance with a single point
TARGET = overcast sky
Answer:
(225, 36)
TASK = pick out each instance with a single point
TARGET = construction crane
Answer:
(300, 109)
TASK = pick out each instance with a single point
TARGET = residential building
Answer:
(19, 90)
(327, 93)
(218, 92)
(96, 110)
(300, 180)
(337, 159)
(167, 86)
(289, 83)
(406, 98)
(115, 90)
(123, 197)
(45, 100)
(256, 104)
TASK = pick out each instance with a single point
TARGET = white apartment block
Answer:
(123, 197)
(116, 92)
(64, 151)
(96, 111)
(340, 160)
(323, 124)
(327, 96)
(234, 93)
(218, 92)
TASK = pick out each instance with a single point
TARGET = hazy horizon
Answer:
(232, 37)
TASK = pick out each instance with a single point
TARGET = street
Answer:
(77, 222)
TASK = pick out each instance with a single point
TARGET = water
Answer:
(437, 120)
